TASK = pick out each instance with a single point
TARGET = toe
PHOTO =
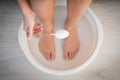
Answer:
(52, 54)
(43, 52)
(73, 54)
(48, 55)
(45, 55)
(77, 49)
(69, 55)
(65, 55)
(78, 46)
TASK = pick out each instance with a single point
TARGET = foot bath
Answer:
(90, 35)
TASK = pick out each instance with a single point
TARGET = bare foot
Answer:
(47, 46)
(71, 45)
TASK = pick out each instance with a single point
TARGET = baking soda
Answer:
(61, 34)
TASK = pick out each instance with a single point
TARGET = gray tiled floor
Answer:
(14, 65)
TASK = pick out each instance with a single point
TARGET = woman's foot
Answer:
(46, 45)
(71, 45)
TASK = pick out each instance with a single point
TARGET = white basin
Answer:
(90, 35)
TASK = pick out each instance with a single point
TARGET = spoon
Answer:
(61, 34)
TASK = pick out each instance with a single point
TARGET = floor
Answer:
(15, 66)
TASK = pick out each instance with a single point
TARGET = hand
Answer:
(37, 29)
(29, 22)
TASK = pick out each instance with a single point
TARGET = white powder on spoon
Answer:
(61, 34)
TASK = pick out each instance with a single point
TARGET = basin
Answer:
(90, 35)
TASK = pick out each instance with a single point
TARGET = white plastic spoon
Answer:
(61, 34)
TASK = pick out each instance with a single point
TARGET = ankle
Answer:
(48, 31)
(48, 27)
(69, 24)
(70, 27)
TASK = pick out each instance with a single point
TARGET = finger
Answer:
(25, 28)
(38, 25)
(30, 32)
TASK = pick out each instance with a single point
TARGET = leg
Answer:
(45, 9)
(75, 9)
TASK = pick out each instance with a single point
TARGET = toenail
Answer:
(66, 59)
(52, 59)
